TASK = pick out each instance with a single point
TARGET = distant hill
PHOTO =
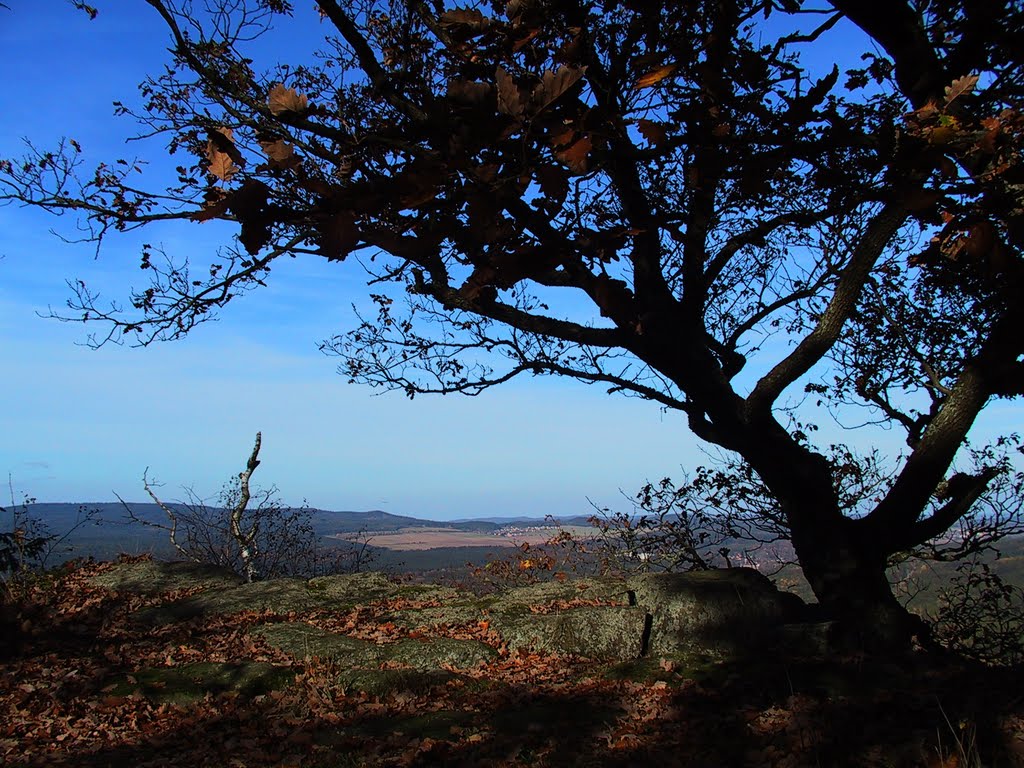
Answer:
(500, 522)
(111, 533)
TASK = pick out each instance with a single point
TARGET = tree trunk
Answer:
(844, 564)
(849, 579)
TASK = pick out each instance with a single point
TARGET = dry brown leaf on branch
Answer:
(510, 101)
(468, 91)
(960, 86)
(554, 182)
(573, 149)
(654, 77)
(222, 155)
(215, 204)
(523, 41)
(471, 20)
(282, 99)
(652, 131)
(249, 205)
(280, 155)
(278, 151)
(338, 235)
(554, 83)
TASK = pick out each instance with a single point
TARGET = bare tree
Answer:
(247, 531)
(659, 198)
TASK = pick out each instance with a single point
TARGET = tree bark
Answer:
(843, 563)
(848, 576)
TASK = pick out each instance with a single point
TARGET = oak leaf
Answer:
(522, 42)
(515, 8)
(279, 151)
(652, 131)
(337, 235)
(282, 99)
(222, 155)
(510, 101)
(573, 149)
(215, 205)
(980, 239)
(554, 83)
(470, 19)
(960, 86)
(468, 91)
(554, 182)
(655, 76)
(249, 205)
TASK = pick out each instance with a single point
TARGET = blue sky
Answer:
(79, 425)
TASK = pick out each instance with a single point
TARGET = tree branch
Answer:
(368, 61)
(815, 345)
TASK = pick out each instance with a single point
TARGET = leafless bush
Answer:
(250, 532)
(719, 516)
(981, 617)
(28, 546)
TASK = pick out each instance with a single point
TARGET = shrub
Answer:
(980, 617)
(251, 533)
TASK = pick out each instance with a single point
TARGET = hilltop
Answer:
(112, 534)
(151, 665)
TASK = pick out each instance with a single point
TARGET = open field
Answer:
(406, 539)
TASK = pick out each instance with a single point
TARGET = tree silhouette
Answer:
(660, 198)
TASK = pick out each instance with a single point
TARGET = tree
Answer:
(660, 198)
(250, 533)
(234, 536)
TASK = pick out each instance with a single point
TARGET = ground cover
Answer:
(368, 672)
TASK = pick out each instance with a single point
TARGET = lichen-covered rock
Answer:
(153, 577)
(380, 682)
(599, 632)
(703, 616)
(283, 596)
(724, 611)
(585, 617)
(439, 652)
(191, 682)
(304, 641)
(278, 595)
(465, 609)
(353, 588)
(607, 590)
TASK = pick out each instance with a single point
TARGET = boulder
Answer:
(719, 611)
(603, 632)
(153, 577)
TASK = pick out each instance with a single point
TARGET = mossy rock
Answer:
(651, 669)
(456, 609)
(724, 611)
(425, 654)
(609, 590)
(152, 577)
(546, 717)
(279, 596)
(192, 682)
(439, 652)
(606, 632)
(304, 641)
(381, 682)
(433, 725)
(354, 588)
(614, 631)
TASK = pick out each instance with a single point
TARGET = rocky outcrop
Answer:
(436, 633)
(721, 612)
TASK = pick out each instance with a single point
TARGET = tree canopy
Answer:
(661, 198)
